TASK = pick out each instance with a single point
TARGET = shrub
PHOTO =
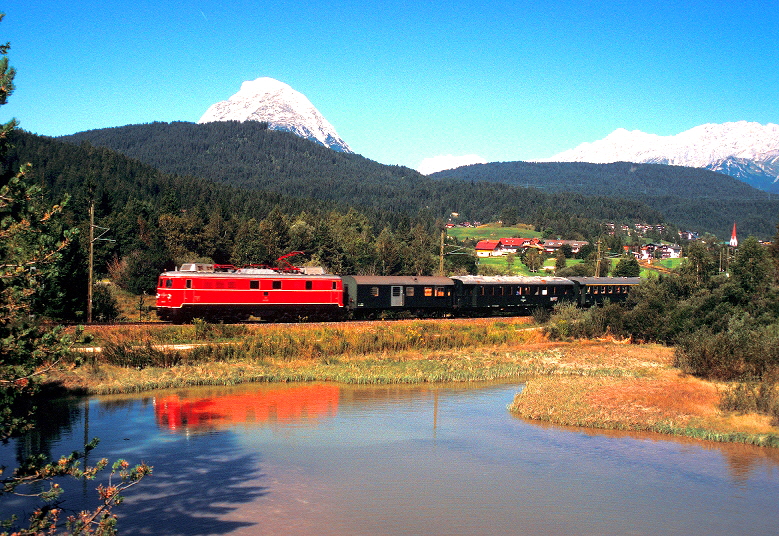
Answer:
(753, 397)
(744, 351)
(567, 322)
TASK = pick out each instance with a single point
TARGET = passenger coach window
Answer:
(439, 292)
(276, 285)
(428, 292)
(409, 291)
(254, 285)
(374, 291)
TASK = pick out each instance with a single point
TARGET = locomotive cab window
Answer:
(276, 285)
(309, 285)
(189, 283)
(168, 283)
(254, 285)
(335, 285)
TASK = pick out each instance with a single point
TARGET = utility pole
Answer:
(91, 259)
(597, 261)
(441, 259)
(92, 240)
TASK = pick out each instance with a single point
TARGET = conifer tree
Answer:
(31, 244)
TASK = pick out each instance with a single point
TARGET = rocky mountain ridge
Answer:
(270, 101)
(748, 151)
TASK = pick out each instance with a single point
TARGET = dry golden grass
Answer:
(644, 393)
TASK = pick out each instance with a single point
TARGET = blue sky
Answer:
(402, 81)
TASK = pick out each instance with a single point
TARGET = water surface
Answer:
(330, 459)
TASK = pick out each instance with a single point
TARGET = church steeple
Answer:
(733, 239)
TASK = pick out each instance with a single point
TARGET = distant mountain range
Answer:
(267, 100)
(251, 156)
(745, 150)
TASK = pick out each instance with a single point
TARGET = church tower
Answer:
(733, 239)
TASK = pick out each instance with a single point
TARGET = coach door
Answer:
(396, 296)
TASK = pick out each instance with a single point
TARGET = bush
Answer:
(567, 322)
(753, 397)
(104, 306)
(744, 351)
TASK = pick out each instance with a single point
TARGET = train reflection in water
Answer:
(284, 405)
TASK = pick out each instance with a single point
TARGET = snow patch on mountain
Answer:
(748, 151)
(283, 108)
(448, 161)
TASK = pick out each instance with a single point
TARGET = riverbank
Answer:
(596, 384)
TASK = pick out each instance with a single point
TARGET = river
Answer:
(450, 459)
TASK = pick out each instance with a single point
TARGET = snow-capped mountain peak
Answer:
(748, 151)
(283, 108)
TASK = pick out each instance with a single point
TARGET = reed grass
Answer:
(595, 384)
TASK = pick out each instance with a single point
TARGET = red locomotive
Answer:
(217, 292)
(225, 292)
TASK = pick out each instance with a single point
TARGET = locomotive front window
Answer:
(276, 285)
(255, 285)
(168, 283)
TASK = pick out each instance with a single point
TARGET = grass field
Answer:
(492, 232)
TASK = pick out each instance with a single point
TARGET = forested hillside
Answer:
(250, 156)
(157, 219)
(692, 198)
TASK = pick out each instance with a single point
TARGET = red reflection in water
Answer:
(272, 405)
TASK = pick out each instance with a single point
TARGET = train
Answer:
(227, 293)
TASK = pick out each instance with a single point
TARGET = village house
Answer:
(504, 246)
(514, 245)
(657, 251)
(487, 248)
(552, 246)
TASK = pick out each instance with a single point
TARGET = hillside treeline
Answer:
(691, 198)
(156, 220)
(251, 156)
